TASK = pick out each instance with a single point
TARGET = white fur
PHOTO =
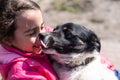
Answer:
(93, 71)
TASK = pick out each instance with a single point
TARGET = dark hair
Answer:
(9, 9)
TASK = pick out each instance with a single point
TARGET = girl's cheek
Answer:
(33, 40)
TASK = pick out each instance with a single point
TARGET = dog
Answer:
(74, 51)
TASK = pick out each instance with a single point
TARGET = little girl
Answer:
(21, 55)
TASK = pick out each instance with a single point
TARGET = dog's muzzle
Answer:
(46, 39)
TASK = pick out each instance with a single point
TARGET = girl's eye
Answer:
(34, 32)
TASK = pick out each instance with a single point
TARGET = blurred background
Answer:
(101, 16)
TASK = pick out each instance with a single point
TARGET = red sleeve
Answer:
(22, 71)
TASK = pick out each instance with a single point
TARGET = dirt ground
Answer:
(103, 18)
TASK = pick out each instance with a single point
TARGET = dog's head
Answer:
(69, 38)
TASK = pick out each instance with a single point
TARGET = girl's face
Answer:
(29, 25)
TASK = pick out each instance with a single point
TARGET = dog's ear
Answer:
(95, 41)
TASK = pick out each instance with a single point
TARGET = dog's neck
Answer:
(82, 63)
(73, 61)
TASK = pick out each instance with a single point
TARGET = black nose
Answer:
(47, 39)
(41, 36)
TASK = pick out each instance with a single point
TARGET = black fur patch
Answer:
(70, 37)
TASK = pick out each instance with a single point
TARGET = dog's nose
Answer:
(47, 39)
(41, 36)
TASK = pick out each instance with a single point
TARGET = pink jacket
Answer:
(24, 67)
(17, 65)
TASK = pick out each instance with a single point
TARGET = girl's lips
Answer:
(39, 43)
(39, 46)
(37, 50)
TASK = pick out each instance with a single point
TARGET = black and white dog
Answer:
(77, 53)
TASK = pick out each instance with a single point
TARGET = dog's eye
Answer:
(67, 32)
